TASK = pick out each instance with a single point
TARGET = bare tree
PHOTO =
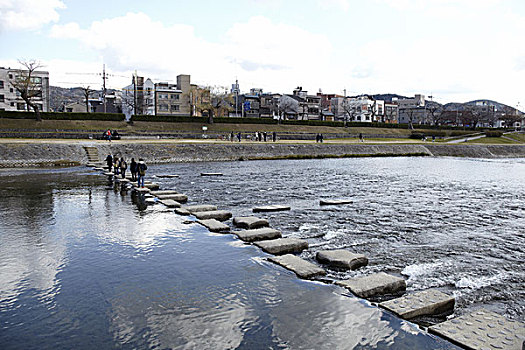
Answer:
(87, 92)
(435, 111)
(26, 85)
(287, 105)
(510, 116)
(221, 102)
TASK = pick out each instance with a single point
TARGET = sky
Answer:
(455, 51)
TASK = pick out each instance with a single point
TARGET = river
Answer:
(81, 266)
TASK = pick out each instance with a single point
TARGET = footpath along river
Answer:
(82, 267)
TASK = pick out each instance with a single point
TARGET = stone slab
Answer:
(109, 174)
(99, 169)
(141, 189)
(152, 186)
(270, 208)
(283, 245)
(124, 181)
(250, 222)
(335, 201)
(179, 197)
(212, 174)
(168, 176)
(482, 329)
(164, 192)
(342, 258)
(200, 207)
(258, 234)
(150, 201)
(214, 225)
(182, 211)
(301, 267)
(221, 215)
(170, 203)
(373, 285)
(424, 303)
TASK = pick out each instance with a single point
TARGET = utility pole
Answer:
(104, 86)
(135, 93)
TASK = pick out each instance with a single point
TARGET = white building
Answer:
(412, 110)
(10, 99)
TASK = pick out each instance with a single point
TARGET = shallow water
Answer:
(454, 224)
(82, 267)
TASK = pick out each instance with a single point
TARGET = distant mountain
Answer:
(388, 97)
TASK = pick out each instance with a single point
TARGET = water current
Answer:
(81, 266)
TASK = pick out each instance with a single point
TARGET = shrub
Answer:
(493, 133)
(63, 116)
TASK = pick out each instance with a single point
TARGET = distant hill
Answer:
(388, 97)
(60, 96)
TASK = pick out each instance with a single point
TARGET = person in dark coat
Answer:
(141, 167)
(109, 162)
(133, 168)
(123, 166)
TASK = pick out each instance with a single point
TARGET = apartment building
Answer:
(173, 99)
(10, 99)
(412, 110)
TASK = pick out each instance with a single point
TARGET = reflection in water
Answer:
(89, 269)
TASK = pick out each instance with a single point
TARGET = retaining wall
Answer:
(45, 154)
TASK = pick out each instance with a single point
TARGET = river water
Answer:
(81, 266)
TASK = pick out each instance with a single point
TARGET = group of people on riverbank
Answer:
(257, 136)
(119, 167)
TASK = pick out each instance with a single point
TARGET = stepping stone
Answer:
(427, 302)
(212, 174)
(374, 285)
(201, 207)
(214, 225)
(124, 181)
(179, 197)
(91, 165)
(152, 186)
(259, 234)
(221, 215)
(335, 201)
(170, 203)
(269, 208)
(109, 174)
(342, 258)
(182, 211)
(99, 169)
(283, 245)
(164, 192)
(482, 329)
(141, 189)
(150, 201)
(168, 176)
(301, 267)
(249, 222)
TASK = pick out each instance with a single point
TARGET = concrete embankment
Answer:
(18, 154)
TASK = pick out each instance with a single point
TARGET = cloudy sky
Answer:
(454, 50)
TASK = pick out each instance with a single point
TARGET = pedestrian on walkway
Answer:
(141, 167)
(109, 162)
(274, 136)
(108, 135)
(239, 136)
(361, 137)
(123, 166)
(232, 136)
(133, 168)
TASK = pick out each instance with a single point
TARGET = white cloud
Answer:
(258, 51)
(28, 14)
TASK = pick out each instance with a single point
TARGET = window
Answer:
(1, 84)
(12, 104)
(2, 99)
(175, 108)
(36, 80)
(163, 107)
(10, 76)
(174, 97)
(21, 106)
(11, 90)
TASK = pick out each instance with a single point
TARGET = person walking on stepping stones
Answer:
(116, 166)
(133, 168)
(141, 167)
(109, 162)
(123, 166)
